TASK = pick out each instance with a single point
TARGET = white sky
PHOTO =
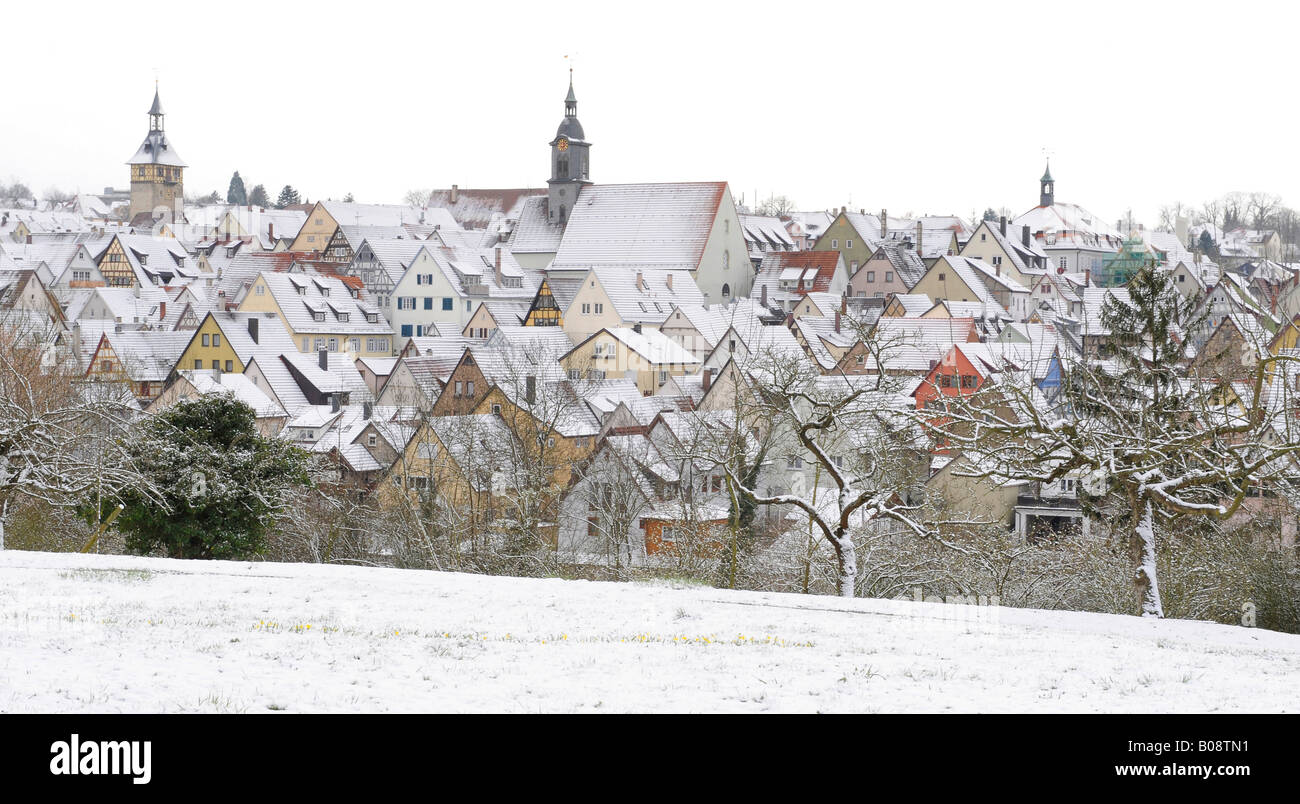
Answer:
(937, 107)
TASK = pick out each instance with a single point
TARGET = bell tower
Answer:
(1046, 188)
(570, 162)
(157, 172)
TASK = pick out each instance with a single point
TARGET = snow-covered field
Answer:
(122, 634)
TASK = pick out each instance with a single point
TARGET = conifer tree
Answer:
(236, 194)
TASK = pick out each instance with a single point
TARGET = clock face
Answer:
(563, 144)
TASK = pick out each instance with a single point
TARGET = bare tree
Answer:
(1151, 437)
(62, 441)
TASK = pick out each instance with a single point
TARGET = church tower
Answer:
(156, 171)
(1046, 187)
(570, 165)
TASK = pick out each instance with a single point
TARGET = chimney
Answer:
(252, 329)
(706, 379)
(884, 223)
(640, 281)
(334, 402)
(844, 302)
(455, 193)
(837, 321)
(843, 210)
(918, 237)
(1024, 236)
(636, 328)
(367, 408)
(530, 389)
(323, 360)
(498, 267)
(270, 229)
(669, 280)
(862, 211)
(162, 311)
(1087, 277)
(762, 296)
(1002, 224)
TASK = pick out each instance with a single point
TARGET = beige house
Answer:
(320, 312)
(613, 297)
(648, 357)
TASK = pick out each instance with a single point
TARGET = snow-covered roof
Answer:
(663, 225)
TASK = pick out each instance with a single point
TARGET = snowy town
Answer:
(663, 379)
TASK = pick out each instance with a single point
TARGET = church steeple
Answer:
(570, 165)
(156, 112)
(1046, 187)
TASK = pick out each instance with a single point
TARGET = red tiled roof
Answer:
(823, 261)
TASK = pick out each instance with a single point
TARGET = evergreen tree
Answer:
(288, 197)
(1206, 242)
(348, 199)
(259, 198)
(236, 194)
(223, 484)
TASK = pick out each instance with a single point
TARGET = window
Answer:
(260, 290)
(447, 303)
(1063, 265)
(848, 244)
(406, 302)
(726, 291)
(794, 462)
(354, 344)
(663, 377)
(997, 260)
(871, 276)
(334, 344)
(198, 366)
(320, 344)
(306, 344)
(457, 387)
(968, 380)
(600, 308)
(667, 534)
(469, 388)
(835, 244)
(372, 440)
(216, 365)
(406, 330)
(586, 310)
(318, 316)
(230, 366)
(207, 341)
(428, 302)
(983, 237)
(496, 409)
(889, 276)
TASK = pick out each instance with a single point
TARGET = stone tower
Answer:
(157, 184)
(570, 162)
(1046, 187)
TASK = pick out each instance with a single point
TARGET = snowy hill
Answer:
(121, 634)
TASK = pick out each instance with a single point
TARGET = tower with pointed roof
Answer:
(570, 162)
(1046, 187)
(157, 172)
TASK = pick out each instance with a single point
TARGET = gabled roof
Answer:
(643, 295)
(662, 225)
(475, 209)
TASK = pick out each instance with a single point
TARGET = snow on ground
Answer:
(124, 634)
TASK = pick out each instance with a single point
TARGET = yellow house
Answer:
(610, 298)
(649, 357)
(226, 341)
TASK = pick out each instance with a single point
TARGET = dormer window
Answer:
(318, 316)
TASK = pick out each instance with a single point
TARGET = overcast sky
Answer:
(936, 107)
